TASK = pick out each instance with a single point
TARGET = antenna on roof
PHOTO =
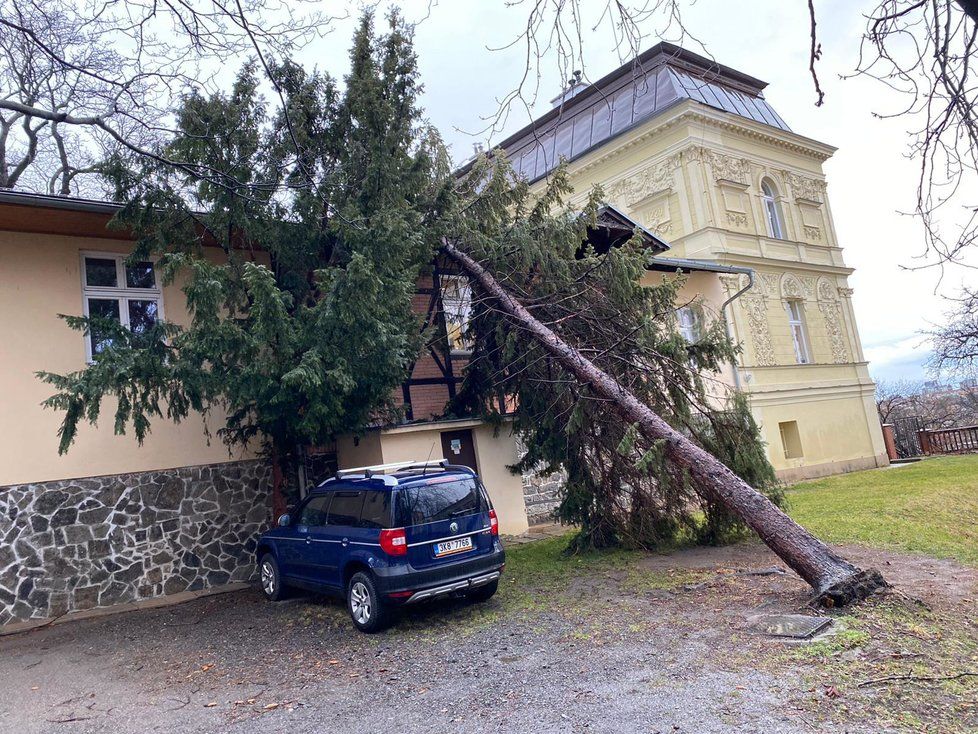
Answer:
(428, 460)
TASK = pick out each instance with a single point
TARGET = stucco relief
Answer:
(828, 305)
(770, 284)
(805, 187)
(812, 232)
(728, 168)
(791, 287)
(737, 219)
(652, 180)
(755, 306)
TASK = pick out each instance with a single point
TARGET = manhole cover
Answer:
(798, 626)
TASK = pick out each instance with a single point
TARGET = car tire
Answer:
(484, 592)
(365, 605)
(270, 578)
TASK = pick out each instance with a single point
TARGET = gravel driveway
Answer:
(661, 645)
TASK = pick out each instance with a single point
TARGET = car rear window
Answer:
(438, 501)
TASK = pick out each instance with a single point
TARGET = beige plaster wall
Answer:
(494, 452)
(39, 279)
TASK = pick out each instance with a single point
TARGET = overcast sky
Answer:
(869, 178)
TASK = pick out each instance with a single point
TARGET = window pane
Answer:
(345, 508)
(442, 501)
(582, 133)
(101, 308)
(100, 272)
(314, 513)
(456, 300)
(142, 315)
(140, 275)
(376, 510)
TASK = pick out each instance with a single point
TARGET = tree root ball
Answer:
(851, 589)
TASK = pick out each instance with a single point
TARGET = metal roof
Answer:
(656, 80)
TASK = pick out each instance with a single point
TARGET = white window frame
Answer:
(121, 293)
(690, 320)
(795, 308)
(772, 209)
(457, 310)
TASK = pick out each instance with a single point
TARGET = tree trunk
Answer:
(836, 581)
(279, 506)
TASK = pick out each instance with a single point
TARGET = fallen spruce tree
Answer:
(534, 347)
(327, 210)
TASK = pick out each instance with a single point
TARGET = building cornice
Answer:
(690, 111)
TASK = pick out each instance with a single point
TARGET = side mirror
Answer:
(284, 520)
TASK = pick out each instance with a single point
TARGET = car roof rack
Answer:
(381, 469)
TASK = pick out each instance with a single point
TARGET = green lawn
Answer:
(930, 507)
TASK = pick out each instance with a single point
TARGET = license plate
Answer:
(447, 547)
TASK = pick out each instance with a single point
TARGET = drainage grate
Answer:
(797, 626)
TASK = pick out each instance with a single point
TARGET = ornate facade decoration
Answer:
(813, 233)
(828, 304)
(728, 168)
(737, 219)
(770, 284)
(805, 187)
(808, 284)
(652, 180)
(791, 287)
(755, 306)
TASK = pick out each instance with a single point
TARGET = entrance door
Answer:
(459, 448)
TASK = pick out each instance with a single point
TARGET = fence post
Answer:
(889, 440)
(924, 436)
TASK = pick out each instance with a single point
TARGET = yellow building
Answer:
(692, 151)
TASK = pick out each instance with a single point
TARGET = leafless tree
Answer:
(924, 50)
(955, 343)
(897, 398)
(83, 78)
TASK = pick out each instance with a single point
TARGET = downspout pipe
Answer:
(726, 321)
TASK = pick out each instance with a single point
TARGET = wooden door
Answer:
(459, 448)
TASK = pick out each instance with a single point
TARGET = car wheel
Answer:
(484, 592)
(270, 578)
(367, 609)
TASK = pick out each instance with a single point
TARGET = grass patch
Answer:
(928, 507)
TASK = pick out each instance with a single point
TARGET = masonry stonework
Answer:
(541, 493)
(71, 545)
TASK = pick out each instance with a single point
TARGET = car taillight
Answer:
(493, 523)
(393, 542)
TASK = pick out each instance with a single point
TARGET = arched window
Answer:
(772, 209)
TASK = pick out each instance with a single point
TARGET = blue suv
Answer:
(385, 536)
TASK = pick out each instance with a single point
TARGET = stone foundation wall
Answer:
(541, 493)
(71, 545)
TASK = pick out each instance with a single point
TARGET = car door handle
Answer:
(346, 542)
(308, 540)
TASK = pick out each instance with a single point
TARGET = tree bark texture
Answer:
(835, 580)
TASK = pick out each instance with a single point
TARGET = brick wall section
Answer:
(76, 544)
(428, 401)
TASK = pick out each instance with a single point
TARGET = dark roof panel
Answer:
(629, 96)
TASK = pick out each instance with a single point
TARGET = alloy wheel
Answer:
(360, 602)
(268, 578)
